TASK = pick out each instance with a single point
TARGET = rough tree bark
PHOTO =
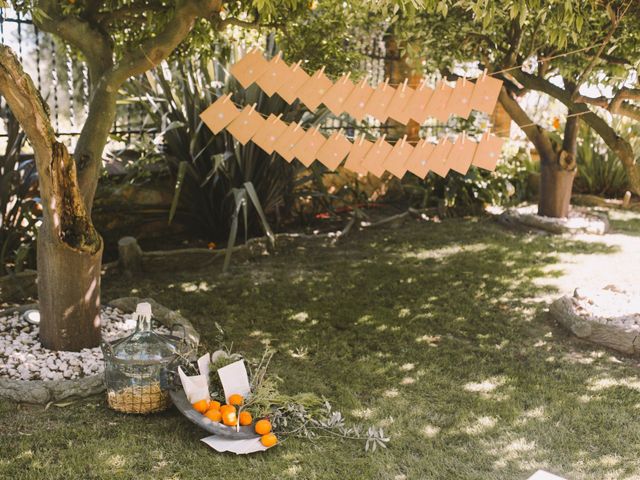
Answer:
(618, 145)
(557, 165)
(69, 248)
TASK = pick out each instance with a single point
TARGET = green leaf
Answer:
(182, 170)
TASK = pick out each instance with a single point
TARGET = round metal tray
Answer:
(180, 401)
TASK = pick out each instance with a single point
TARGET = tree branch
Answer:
(155, 50)
(618, 105)
(64, 212)
(94, 44)
(536, 134)
(617, 144)
(615, 21)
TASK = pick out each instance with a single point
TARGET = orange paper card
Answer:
(398, 107)
(246, 124)
(311, 93)
(488, 152)
(379, 101)
(459, 103)
(219, 114)
(419, 159)
(375, 157)
(276, 74)
(356, 155)
(307, 148)
(396, 161)
(355, 104)
(249, 68)
(289, 89)
(269, 133)
(284, 145)
(485, 94)
(337, 94)
(439, 160)
(462, 154)
(334, 150)
(438, 101)
(417, 105)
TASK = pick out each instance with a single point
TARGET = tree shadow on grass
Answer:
(433, 331)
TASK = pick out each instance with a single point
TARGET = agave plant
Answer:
(599, 171)
(216, 178)
(18, 202)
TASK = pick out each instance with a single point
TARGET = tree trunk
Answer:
(557, 174)
(556, 185)
(68, 293)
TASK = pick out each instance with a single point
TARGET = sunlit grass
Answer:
(435, 332)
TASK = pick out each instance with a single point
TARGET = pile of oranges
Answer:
(228, 415)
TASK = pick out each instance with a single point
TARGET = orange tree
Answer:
(503, 35)
(117, 39)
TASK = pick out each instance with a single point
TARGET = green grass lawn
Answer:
(434, 331)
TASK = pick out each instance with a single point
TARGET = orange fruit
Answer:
(269, 440)
(245, 418)
(213, 414)
(229, 418)
(263, 426)
(227, 408)
(213, 404)
(236, 399)
(201, 406)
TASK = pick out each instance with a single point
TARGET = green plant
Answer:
(216, 178)
(599, 172)
(18, 202)
(507, 185)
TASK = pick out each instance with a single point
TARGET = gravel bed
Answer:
(22, 357)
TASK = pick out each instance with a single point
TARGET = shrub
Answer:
(19, 207)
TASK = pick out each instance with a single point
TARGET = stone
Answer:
(28, 363)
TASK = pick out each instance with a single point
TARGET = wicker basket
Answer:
(139, 399)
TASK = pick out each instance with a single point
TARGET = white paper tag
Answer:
(196, 387)
(234, 379)
(239, 447)
(203, 365)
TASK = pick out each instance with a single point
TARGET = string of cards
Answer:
(358, 100)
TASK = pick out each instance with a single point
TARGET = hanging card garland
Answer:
(374, 160)
(268, 135)
(459, 103)
(276, 74)
(397, 109)
(249, 68)
(488, 151)
(396, 161)
(418, 161)
(417, 106)
(379, 101)
(289, 89)
(333, 151)
(356, 102)
(439, 156)
(311, 93)
(308, 145)
(336, 95)
(245, 125)
(358, 151)
(289, 138)
(462, 154)
(220, 114)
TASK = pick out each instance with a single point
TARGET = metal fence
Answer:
(62, 81)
